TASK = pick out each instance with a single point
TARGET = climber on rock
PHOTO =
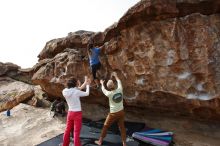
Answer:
(95, 64)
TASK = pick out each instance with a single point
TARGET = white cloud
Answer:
(26, 25)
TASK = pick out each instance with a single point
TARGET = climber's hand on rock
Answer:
(114, 74)
(88, 82)
(86, 78)
(101, 81)
(78, 83)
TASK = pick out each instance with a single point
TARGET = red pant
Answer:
(74, 122)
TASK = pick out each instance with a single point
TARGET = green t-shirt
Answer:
(115, 98)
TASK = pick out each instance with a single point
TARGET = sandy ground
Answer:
(28, 126)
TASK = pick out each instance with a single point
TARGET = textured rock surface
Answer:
(13, 92)
(77, 39)
(14, 71)
(39, 99)
(167, 54)
(15, 85)
(8, 68)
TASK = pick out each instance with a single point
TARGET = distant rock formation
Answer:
(8, 69)
(14, 71)
(16, 87)
(13, 92)
(167, 54)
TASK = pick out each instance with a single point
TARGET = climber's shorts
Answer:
(95, 67)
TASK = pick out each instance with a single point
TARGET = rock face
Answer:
(16, 86)
(166, 53)
(14, 71)
(77, 39)
(13, 92)
(8, 68)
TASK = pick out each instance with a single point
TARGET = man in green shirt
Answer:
(115, 96)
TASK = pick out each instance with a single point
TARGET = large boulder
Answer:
(13, 92)
(8, 68)
(77, 39)
(166, 53)
(16, 72)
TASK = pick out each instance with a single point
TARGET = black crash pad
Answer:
(91, 132)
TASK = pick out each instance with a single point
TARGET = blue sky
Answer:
(26, 25)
